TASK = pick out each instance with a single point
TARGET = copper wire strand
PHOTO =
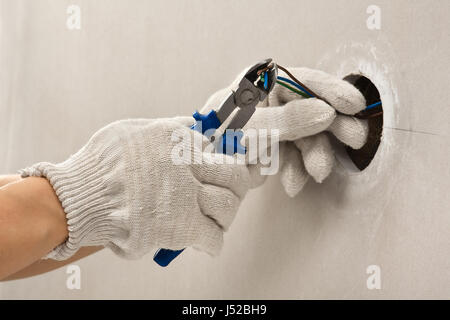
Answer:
(270, 66)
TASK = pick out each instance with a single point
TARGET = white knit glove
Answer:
(305, 148)
(123, 191)
(314, 156)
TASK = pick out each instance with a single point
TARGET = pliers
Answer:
(254, 87)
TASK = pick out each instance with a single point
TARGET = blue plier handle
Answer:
(254, 87)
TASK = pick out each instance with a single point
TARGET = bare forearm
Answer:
(43, 266)
(5, 179)
(32, 223)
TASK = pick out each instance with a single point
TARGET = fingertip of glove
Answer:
(341, 94)
(293, 175)
(363, 133)
(291, 191)
(348, 99)
(320, 170)
(351, 131)
(293, 185)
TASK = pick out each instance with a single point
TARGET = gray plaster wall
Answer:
(164, 58)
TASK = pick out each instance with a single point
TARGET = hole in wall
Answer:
(358, 160)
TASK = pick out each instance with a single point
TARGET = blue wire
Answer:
(295, 84)
(266, 80)
(373, 105)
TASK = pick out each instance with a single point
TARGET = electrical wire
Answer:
(292, 89)
(295, 85)
(373, 105)
(301, 84)
(266, 80)
(304, 91)
(308, 91)
(364, 116)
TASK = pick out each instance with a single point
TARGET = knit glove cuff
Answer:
(91, 205)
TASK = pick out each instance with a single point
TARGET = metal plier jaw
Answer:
(254, 87)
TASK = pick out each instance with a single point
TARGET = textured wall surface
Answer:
(160, 58)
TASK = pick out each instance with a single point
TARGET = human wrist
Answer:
(43, 197)
(89, 197)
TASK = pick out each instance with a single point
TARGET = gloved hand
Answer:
(123, 190)
(304, 145)
(313, 155)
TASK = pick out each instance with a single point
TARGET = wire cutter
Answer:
(254, 87)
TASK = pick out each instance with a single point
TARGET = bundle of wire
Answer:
(299, 88)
